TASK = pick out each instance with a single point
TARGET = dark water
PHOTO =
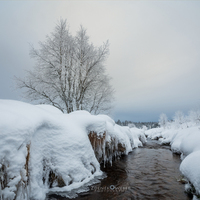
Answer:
(146, 173)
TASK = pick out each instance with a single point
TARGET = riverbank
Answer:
(184, 140)
(44, 150)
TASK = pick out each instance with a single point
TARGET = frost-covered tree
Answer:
(119, 122)
(131, 125)
(179, 118)
(163, 120)
(194, 116)
(69, 73)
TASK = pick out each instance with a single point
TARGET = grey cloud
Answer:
(154, 51)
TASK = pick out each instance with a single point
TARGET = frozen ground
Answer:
(43, 150)
(184, 139)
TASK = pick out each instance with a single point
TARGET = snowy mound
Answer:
(43, 150)
(139, 134)
(37, 147)
(190, 169)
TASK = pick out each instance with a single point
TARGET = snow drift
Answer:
(43, 150)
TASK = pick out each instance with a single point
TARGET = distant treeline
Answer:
(131, 124)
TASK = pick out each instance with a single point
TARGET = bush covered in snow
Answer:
(43, 150)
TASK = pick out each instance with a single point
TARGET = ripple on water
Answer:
(146, 173)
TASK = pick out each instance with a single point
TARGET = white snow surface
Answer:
(186, 141)
(37, 140)
(190, 167)
(139, 134)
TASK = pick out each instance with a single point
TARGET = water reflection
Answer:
(146, 173)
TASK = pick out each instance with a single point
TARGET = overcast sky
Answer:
(154, 56)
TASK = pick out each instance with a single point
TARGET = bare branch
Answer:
(69, 72)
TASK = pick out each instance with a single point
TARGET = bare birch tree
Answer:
(163, 121)
(69, 73)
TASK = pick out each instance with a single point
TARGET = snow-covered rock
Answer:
(35, 145)
(139, 136)
(190, 168)
(154, 133)
(43, 150)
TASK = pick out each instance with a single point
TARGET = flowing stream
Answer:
(150, 172)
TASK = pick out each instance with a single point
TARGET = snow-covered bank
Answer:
(184, 140)
(42, 149)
